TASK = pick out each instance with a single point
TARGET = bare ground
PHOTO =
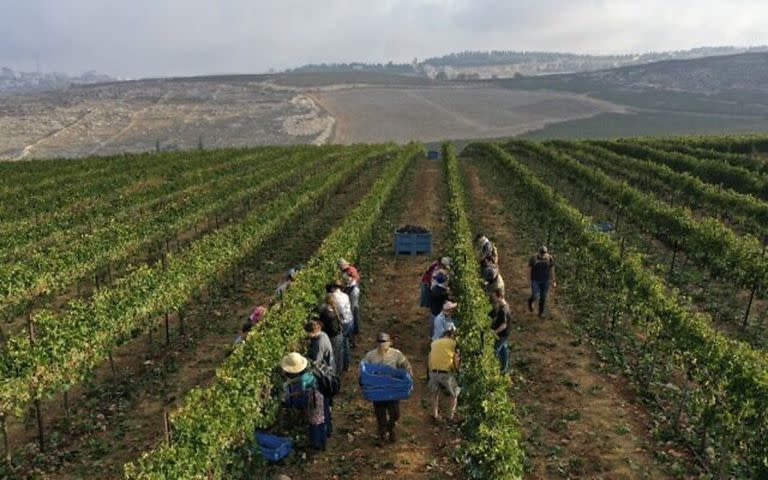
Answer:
(577, 421)
(391, 298)
(377, 114)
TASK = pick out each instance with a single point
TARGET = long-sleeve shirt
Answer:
(321, 350)
(439, 325)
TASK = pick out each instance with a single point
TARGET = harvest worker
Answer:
(443, 365)
(441, 264)
(331, 322)
(247, 326)
(352, 290)
(443, 321)
(288, 278)
(387, 412)
(350, 270)
(344, 309)
(492, 277)
(438, 294)
(541, 270)
(320, 349)
(300, 391)
(257, 314)
(501, 323)
(485, 249)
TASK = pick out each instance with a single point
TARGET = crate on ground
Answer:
(413, 240)
(273, 448)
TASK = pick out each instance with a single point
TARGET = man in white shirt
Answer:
(344, 309)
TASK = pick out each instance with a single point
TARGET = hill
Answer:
(708, 95)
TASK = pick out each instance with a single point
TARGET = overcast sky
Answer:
(134, 38)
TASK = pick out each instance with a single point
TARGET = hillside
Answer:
(707, 95)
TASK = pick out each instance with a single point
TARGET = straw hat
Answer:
(293, 363)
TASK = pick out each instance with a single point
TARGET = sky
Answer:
(141, 38)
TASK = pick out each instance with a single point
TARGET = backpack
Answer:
(328, 381)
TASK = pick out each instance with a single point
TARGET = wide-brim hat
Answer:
(446, 262)
(449, 305)
(343, 263)
(294, 363)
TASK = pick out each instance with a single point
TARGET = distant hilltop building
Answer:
(17, 82)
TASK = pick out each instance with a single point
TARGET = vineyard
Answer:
(124, 280)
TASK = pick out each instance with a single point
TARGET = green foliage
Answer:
(709, 170)
(736, 258)
(491, 446)
(69, 345)
(707, 390)
(213, 422)
(744, 211)
(53, 269)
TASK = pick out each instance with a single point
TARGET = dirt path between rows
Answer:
(576, 421)
(391, 299)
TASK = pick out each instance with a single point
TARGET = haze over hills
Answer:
(13, 81)
(509, 63)
(718, 94)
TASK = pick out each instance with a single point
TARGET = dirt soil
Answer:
(391, 299)
(577, 421)
(377, 114)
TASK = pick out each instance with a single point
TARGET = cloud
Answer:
(186, 37)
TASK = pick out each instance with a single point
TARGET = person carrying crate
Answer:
(387, 412)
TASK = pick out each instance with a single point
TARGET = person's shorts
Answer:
(445, 381)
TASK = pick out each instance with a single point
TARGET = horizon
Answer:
(192, 37)
(746, 48)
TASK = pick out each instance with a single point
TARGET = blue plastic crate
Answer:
(382, 383)
(273, 448)
(413, 243)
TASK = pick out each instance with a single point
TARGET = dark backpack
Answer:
(328, 381)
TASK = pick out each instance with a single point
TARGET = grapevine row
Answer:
(689, 147)
(709, 391)
(711, 171)
(51, 193)
(743, 211)
(54, 270)
(491, 446)
(66, 347)
(739, 259)
(216, 420)
(27, 235)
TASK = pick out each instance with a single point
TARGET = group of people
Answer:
(444, 362)
(312, 378)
